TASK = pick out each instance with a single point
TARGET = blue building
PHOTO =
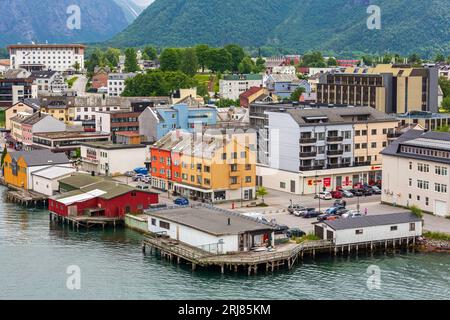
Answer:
(283, 85)
(155, 123)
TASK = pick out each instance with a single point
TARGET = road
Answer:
(80, 85)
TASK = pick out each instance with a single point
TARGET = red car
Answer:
(336, 194)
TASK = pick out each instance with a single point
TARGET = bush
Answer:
(308, 237)
(416, 211)
(437, 236)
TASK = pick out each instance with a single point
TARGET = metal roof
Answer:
(53, 172)
(372, 221)
(40, 157)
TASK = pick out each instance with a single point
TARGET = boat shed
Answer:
(372, 228)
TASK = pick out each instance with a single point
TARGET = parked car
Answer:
(138, 177)
(342, 211)
(142, 187)
(367, 191)
(357, 192)
(294, 207)
(327, 216)
(333, 210)
(340, 203)
(336, 194)
(311, 214)
(295, 232)
(181, 202)
(281, 228)
(352, 214)
(301, 212)
(323, 195)
(376, 190)
(347, 194)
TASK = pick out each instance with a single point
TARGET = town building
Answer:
(28, 106)
(61, 108)
(283, 85)
(46, 181)
(427, 120)
(310, 149)
(18, 166)
(67, 141)
(112, 159)
(14, 90)
(284, 70)
(116, 121)
(251, 95)
(100, 79)
(129, 137)
(45, 81)
(56, 57)
(387, 88)
(101, 199)
(215, 165)
(17, 74)
(155, 123)
(416, 172)
(371, 229)
(211, 229)
(232, 86)
(5, 65)
(116, 83)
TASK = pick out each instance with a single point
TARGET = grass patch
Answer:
(263, 205)
(306, 238)
(71, 81)
(416, 211)
(437, 236)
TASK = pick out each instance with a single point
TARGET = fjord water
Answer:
(35, 255)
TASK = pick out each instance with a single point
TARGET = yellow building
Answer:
(28, 106)
(18, 166)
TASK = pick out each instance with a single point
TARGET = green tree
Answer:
(189, 62)
(178, 80)
(388, 58)
(202, 51)
(313, 60)
(445, 86)
(332, 62)
(150, 52)
(439, 58)
(446, 104)
(131, 64)
(237, 54)
(368, 60)
(97, 59)
(77, 66)
(219, 60)
(414, 59)
(170, 59)
(247, 65)
(112, 57)
(260, 65)
(261, 192)
(295, 96)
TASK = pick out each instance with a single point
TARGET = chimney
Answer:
(229, 221)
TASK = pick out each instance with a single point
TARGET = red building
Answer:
(104, 199)
(347, 63)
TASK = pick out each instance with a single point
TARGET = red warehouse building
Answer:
(102, 199)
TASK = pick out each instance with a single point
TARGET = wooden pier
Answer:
(86, 222)
(285, 256)
(26, 198)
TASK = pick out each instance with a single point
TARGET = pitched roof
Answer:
(40, 157)
(80, 180)
(372, 221)
(53, 172)
(251, 92)
(280, 77)
(42, 74)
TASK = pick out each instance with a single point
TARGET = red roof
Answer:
(250, 92)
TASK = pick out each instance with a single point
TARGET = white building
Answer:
(211, 229)
(116, 83)
(46, 181)
(112, 159)
(232, 86)
(284, 70)
(48, 82)
(367, 229)
(56, 57)
(417, 172)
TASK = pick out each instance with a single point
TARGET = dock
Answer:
(86, 222)
(24, 197)
(285, 256)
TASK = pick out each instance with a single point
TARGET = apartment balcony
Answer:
(362, 163)
(310, 140)
(335, 139)
(335, 153)
(311, 168)
(394, 135)
(338, 165)
(305, 155)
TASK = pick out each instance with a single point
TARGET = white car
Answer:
(352, 214)
(324, 196)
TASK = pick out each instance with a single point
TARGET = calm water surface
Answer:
(35, 254)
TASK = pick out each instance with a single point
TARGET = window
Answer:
(394, 228)
(410, 182)
(423, 184)
(347, 135)
(374, 132)
(410, 196)
(248, 167)
(283, 185)
(243, 154)
(384, 144)
(234, 155)
(321, 136)
(357, 133)
(412, 226)
(224, 156)
(441, 188)
(164, 225)
(427, 201)
(153, 222)
(234, 180)
(442, 171)
(207, 182)
(207, 169)
(364, 132)
(359, 231)
(357, 146)
(410, 166)
(373, 145)
(248, 179)
(234, 167)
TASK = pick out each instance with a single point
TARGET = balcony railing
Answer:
(394, 135)
(311, 168)
(335, 139)
(308, 154)
(338, 165)
(308, 140)
(335, 152)
(362, 163)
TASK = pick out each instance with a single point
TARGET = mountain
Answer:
(133, 8)
(46, 20)
(301, 25)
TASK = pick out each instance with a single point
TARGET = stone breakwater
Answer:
(432, 245)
